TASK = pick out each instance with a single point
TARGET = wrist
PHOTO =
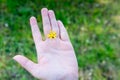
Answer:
(69, 76)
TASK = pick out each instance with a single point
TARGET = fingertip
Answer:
(44, 10)
(50, 11)
(60, 24)
(32, 20)
(17, 57)
(59, 21)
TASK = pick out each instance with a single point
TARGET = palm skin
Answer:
(56, 57)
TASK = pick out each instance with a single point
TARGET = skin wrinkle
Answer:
(42, 60)
(52, 43)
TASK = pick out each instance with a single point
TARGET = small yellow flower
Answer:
(52, 35)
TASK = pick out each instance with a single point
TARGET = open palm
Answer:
(56, 57)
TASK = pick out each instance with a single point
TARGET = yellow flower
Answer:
(52, 35)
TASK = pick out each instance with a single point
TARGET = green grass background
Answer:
(93, 27)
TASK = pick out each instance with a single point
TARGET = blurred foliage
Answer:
(93, 27)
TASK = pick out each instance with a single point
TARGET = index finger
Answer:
(35, 32)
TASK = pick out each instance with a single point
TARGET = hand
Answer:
(56, 57)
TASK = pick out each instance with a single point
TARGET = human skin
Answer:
(56, 57)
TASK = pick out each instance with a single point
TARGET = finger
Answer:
(46, 22)
(63, 33)
(25, 63)
(53, 21)
(35, 31)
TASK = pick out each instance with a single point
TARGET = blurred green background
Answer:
(93, 27)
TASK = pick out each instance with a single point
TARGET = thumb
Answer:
(25, 63)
